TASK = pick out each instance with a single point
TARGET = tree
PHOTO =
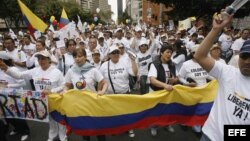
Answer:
(186, 8)
(71, 7)
(105, 15)
(11, 13)
(122, 18)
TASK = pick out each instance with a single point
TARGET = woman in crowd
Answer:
(6, 81)
(144, 58)
(193, 75)
(67, 59)
(47, 78)
(32, 60)
(215, 52)
(116, 72)
(162, 75)
(179, 55)
(83, 76)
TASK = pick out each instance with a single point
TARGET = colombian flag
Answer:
(85, 113)
(33, 22)
(64, 19)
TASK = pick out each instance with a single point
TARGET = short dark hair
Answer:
(79, 51)
(70, 40)
(164, 47)
(27, 36)
(8, 38)
(41, 42)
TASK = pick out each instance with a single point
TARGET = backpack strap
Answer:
(64, 66)
(110, 79)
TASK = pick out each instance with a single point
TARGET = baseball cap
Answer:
(100, 35)
(171, 38)
(44, 53)
(137, 29)
(118, 29)
(215, 46)
(143, 42)
(95, 51)
(113, 48)
(246, 47)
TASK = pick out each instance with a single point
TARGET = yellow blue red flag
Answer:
(64, 19)
(32, 22)
(85, 113)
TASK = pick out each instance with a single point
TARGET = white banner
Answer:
(22, 104)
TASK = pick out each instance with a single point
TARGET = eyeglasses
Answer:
(244, 56)
(115, 52)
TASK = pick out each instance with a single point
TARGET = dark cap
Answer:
(246, 47)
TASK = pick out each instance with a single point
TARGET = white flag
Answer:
(51, 28)
(12, 34)
(79, 24)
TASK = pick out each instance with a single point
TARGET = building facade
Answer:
(151, 13)
(119, 7)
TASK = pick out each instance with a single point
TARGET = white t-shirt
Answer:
(50, 79)
(97, 65)
(142, 61)
(178, 61)
(31, 48)
(226, 42)
(230, 105)
(18, 56)
(234, 61)
(153, 72)
(10, 81)
(191, 69)
(69, 61)
(103, 50)
(190, 45)
(88, 79)
(237, 44)
(119, 74)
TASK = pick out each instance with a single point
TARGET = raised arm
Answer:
(201, 54)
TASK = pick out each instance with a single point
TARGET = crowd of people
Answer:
(122, 59)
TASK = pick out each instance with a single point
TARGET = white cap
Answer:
(171, 37)
(164, 35)
(113, 48)
(194, 48)
(60, 44)
(143, 42)
(118, 29)
(100, 35)
(95, 51)
(44, 53)
(4, 56)
(137, 29)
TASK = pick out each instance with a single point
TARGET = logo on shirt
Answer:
(81, 84)
(242, 105)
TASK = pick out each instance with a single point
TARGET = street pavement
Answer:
(39, 132)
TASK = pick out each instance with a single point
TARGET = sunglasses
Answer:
(244, 56)
(115, 52)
